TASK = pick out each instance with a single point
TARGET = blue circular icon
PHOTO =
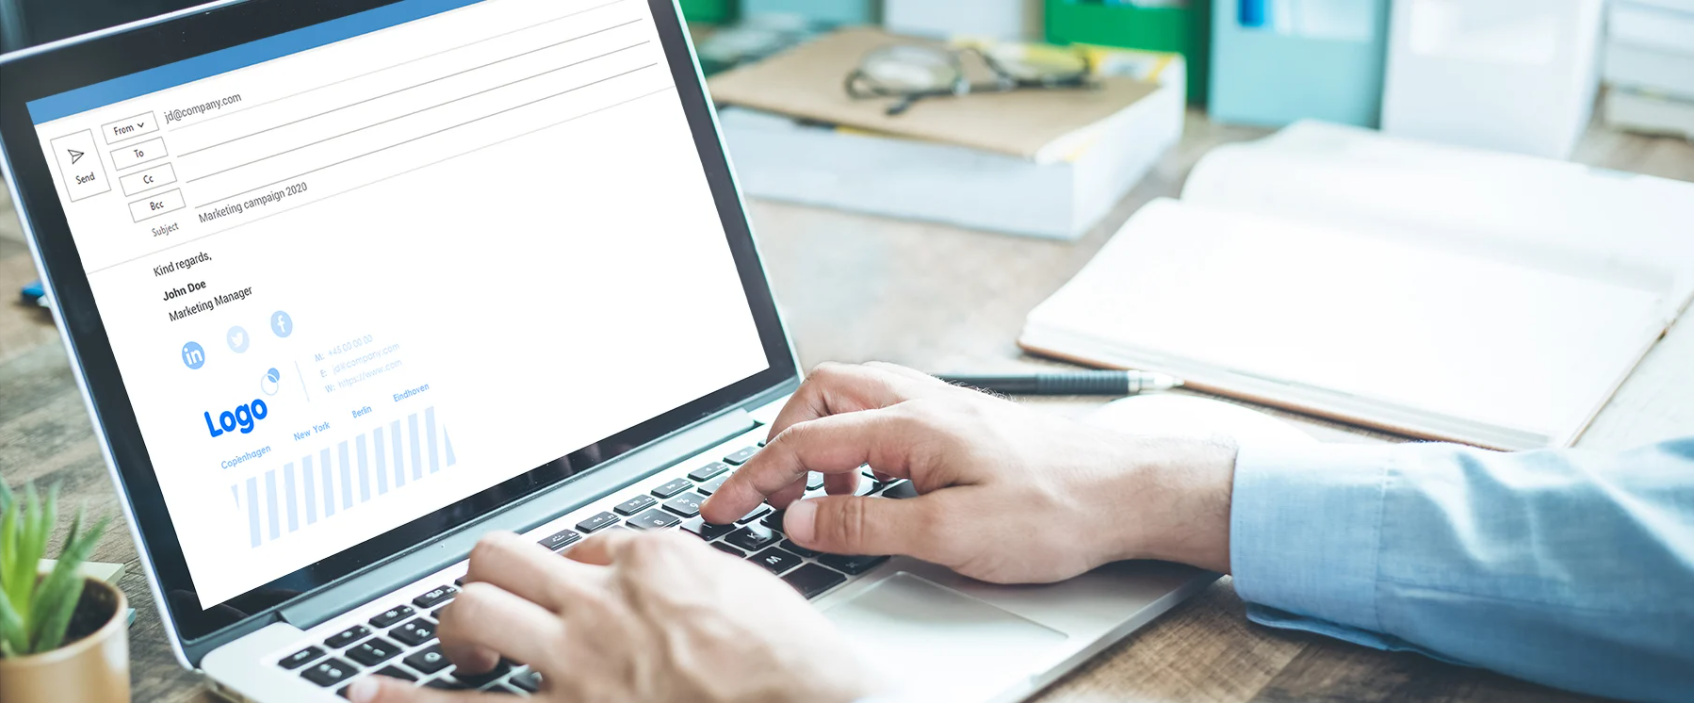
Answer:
(193, 355)
(282, 324)
(237, 339)
(269, 384)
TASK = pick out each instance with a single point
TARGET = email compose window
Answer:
(331, 262)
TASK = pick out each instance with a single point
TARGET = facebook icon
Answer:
(193, 355)
(282, 324)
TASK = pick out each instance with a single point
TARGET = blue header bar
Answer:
(225, 60)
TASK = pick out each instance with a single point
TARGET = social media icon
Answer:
(238, 340)
(270, 382)
(193, 355)
(282, 324)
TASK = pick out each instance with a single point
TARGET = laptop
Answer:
(347, 285)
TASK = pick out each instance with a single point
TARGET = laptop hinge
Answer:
(532, 512)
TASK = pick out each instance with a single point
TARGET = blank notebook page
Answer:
(1386, 320)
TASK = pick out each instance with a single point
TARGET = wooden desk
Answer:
(860, 288)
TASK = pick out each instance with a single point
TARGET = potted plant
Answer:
(63, 637)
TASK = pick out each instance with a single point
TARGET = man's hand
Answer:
(637, 617)
(1007, 494)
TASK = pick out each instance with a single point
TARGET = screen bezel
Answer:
(31, 75)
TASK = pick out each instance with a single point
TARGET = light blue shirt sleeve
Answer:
(1569, 568)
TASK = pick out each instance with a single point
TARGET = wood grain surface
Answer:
(856, 288)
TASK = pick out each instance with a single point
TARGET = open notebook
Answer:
(1433, 291)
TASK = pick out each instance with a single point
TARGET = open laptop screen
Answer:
(357, 272)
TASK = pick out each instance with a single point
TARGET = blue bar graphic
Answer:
(311, 494)
(253, 509)
(417, 456)
(429, 424)
(236, 57)
(288, 493)
(329, 483)
(381, 466)
(270, 501)
(364, 471)
(346, 478)
(390, 449)
(399, 455)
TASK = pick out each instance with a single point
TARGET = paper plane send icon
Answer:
(75, 156)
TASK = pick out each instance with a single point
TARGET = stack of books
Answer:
(1650, 66)
(1045, 163)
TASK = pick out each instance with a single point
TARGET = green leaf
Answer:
(63, 587)
(14, 638)
(8, 548)
(15, 536)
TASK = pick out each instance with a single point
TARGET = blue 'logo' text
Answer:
(243, 417)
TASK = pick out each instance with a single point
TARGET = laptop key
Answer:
(814, 480)
(329, 672)
(709, 471)
(528, 681)
(596, 522)
(414, 632)
(501, 689)
(774, 520)
(687, 505)
(705, 530)
(901, 491)
(853, 565)
(483, 679)
(789, 545)
(776, 561)
(754, 515)
(740, 456)
(812, 580)
(297, 659)
(753, 538)
(558, 540)
(654, 520)
(712, 486)
(392, 615)
(435, 597)
(634, 505)
(672, 487)
(428, 660)
(447, 684)
(373, 651)
(347, 636)
(395, 672)
(726, 549)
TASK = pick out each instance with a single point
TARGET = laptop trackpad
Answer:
(940, 644)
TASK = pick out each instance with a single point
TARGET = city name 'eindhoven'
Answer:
(209, 305)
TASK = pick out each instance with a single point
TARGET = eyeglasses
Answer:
(909, 73)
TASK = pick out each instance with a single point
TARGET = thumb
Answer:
(381, 689)
(863, 525)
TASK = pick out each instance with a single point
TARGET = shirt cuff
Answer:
(1305, 527)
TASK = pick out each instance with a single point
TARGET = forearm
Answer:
(1566, 568)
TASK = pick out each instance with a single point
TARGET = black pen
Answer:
(1073, 383)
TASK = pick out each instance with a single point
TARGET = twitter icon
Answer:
(237, 339)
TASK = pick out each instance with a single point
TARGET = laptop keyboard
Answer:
(400, 642)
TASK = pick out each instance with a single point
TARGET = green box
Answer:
(1184, 30)
(710, 11)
